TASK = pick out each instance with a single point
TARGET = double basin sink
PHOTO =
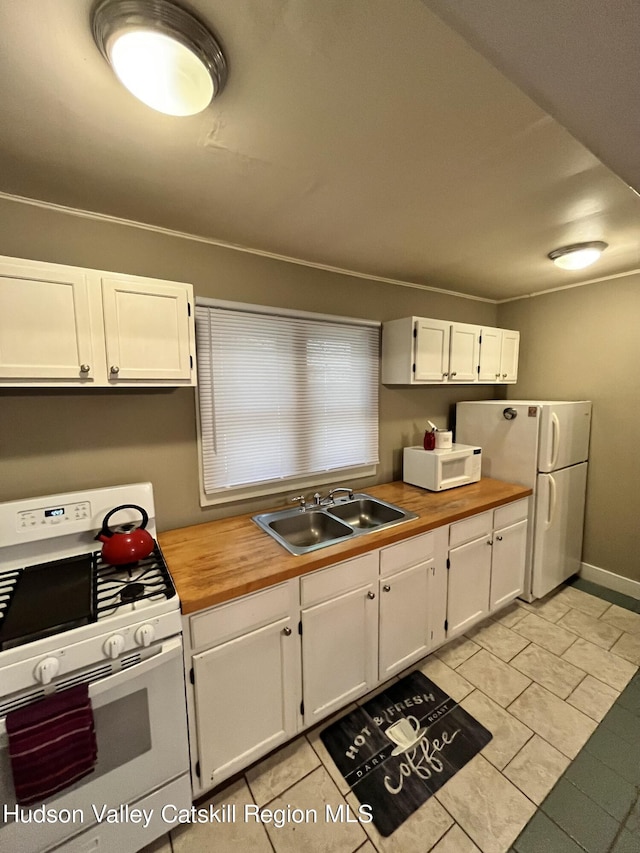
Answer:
(301, 531)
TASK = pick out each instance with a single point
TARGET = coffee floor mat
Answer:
(400, 747)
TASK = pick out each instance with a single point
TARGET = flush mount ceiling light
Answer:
(161, 53)
(578, 256)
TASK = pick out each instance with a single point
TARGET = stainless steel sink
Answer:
(366, 513)
(301, 531)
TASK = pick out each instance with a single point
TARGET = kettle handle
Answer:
(105, 522)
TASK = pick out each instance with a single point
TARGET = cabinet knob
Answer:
(444, 375)
(386, 588)
(286, 631)
(453, 373)
(489, 542)
(499, 538)
(504, 375)
(497, 376)
(371, 595)
(85, 368)
(114, 369)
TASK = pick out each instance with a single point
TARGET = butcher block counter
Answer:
(220, 560)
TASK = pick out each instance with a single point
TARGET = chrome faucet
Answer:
(341, 489)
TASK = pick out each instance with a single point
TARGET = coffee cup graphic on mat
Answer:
(405, 734)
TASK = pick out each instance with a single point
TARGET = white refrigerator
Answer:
(543, 445)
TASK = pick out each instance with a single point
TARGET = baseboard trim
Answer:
(610, 580)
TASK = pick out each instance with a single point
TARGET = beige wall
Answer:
(59, 440)
(584, 344)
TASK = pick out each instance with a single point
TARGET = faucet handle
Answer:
(301, 499)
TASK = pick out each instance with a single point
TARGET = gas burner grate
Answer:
(131, 585)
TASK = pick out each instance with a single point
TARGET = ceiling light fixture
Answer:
(578, 256)
(163, 54)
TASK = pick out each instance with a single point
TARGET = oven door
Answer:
(141, 730)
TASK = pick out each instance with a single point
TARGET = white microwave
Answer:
(437, 470)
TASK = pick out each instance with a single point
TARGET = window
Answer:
(285, 398)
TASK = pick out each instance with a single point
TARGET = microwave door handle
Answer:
(553, 494)
(555, 440)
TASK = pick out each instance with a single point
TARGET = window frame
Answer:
(276, 487)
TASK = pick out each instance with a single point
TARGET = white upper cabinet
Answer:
(418, 350)
(464, 352)
(45, 328)
(146, 327)
(499, 351)
(431, 350)
(66, 326)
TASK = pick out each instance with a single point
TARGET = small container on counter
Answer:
(443, 439)
(429, 440)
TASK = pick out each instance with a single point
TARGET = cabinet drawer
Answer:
(327, 583)
(230, 620)
(411, 552)
(509, 514)
(470, 528)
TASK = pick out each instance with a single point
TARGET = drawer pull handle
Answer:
(286, 631)
(371, 595)
(386, 588)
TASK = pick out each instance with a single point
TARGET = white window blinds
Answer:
(284, 397)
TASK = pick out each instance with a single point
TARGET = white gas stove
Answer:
(68, 618)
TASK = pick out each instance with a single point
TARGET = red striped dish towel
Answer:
(52, 744)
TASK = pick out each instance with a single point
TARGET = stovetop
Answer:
(50, 598)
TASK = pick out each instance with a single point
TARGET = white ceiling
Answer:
(365, 135)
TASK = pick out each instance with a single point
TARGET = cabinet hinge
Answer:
(300, 627)
(191, 362)
(478, 368)
(448, 563)
(198, 769)
(192, 677)
(302, 708)
(480, 339)
(413, 368)
(415, 332)
(446, 624)
(189, 308)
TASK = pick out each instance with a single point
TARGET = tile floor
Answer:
(548, 680)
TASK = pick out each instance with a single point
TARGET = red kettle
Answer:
(126, 543)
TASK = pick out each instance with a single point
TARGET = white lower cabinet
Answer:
(339, 619)
(486, 564)
(265, 666)
(413, 600)
(246, 687)
(508, 553)
(469, 584)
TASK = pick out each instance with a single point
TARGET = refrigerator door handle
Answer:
(555, 439)
(552, 502)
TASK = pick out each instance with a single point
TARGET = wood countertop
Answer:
(220, 560)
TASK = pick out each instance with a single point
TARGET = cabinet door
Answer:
(45, 330)
(146, 329)
(469, 582)
(339, 651)
(490, 353)
(464, 353)
(431, 350)
(404, 618)
(509, 356)
(507, 566)
(246, 697)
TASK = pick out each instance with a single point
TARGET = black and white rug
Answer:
(402, 746)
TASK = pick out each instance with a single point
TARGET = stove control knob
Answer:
(46, 670)
(145, 635)
(114, 646)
